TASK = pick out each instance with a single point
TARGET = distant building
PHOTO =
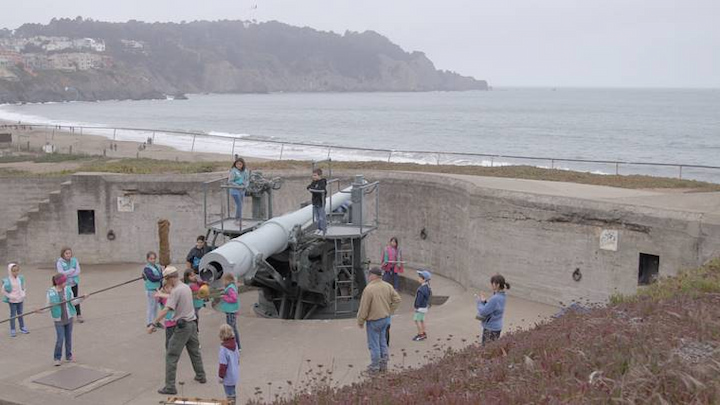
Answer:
(75, 61)
(10, 58)
(36, 61)
(132, 44)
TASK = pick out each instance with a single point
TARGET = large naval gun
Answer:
(301, 272)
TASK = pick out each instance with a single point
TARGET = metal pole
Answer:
(205, 205)
(389, 156)
(192, 148)
(617, 169)
(232, 153)
(377, 206)
(153, 138)
(492, 160)
(329, 147)
(438, 159)
(680, 176)
(552, 163)
(282, 147)
(114, 133)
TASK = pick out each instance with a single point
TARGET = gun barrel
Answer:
(238, 255)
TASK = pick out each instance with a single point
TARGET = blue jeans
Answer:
(392, 278)
(231, 319)
(237, 196)
(63, 332)
(152, 307)
(229, 391)
(16, 309)
(377, 343)
(320, 218)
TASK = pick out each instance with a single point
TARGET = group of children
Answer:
(490, 311)
(228, 302)
(62, 301)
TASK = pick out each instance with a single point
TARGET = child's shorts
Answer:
(419, 316)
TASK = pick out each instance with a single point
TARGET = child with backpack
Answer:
(230, 304)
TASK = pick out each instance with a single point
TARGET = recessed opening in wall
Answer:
(649, 269)
(86, 222)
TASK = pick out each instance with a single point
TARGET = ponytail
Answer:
(500, 281)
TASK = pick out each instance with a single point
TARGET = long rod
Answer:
(66, 301)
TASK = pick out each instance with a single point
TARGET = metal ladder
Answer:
(344, 275)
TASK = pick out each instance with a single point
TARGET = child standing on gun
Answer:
(318, 189)
(229, 362)
(423, 295)
(230, 304)
(13, 291)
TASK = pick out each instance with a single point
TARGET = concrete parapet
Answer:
(538, 234)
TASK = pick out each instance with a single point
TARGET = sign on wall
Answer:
(609, 240)
(126, 204)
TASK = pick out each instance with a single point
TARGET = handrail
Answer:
(391, 153)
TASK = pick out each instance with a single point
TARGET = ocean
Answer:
(636, 125)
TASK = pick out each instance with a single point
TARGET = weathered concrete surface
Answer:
(19, 195)
(274, 351)
(536, 233)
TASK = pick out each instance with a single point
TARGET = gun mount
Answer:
(301, 272)
(259, 190)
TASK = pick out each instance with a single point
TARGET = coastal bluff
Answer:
(85, 60)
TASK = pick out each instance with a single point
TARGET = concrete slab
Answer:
(71, 378)
(274, 351)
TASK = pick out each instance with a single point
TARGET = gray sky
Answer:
(604, 43)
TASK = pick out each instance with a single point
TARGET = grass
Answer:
(659, 346)
(156, 166)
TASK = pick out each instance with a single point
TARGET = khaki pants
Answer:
(186, 336)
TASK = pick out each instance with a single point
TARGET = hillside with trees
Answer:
(151, 60)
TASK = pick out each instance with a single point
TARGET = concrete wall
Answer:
(19, 195)
(471, 232)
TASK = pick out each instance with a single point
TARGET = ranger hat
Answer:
(170, 271)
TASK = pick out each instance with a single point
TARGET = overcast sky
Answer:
(605, 43)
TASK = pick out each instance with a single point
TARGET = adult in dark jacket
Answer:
(196, 253)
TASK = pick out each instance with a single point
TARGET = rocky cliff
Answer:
(153, 60)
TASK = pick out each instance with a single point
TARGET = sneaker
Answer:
(422, 337)
(201, 380)
(24, 331)
(80, 319)
(167, 391)
(13, 333)
(418, 338)
(71, 360)
(158, 325)
(57, 363)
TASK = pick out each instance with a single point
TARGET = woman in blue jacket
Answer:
(491, 311)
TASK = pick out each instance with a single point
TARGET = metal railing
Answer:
(279, 150)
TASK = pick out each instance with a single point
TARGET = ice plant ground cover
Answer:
(659, 346)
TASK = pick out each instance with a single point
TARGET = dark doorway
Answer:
(86, 222)
(649, 269)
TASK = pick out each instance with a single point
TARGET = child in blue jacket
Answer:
(422, 304)
(491, 311)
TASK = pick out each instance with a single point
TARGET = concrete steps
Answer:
(16, 236)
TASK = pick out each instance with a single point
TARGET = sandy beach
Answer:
(34, 138)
